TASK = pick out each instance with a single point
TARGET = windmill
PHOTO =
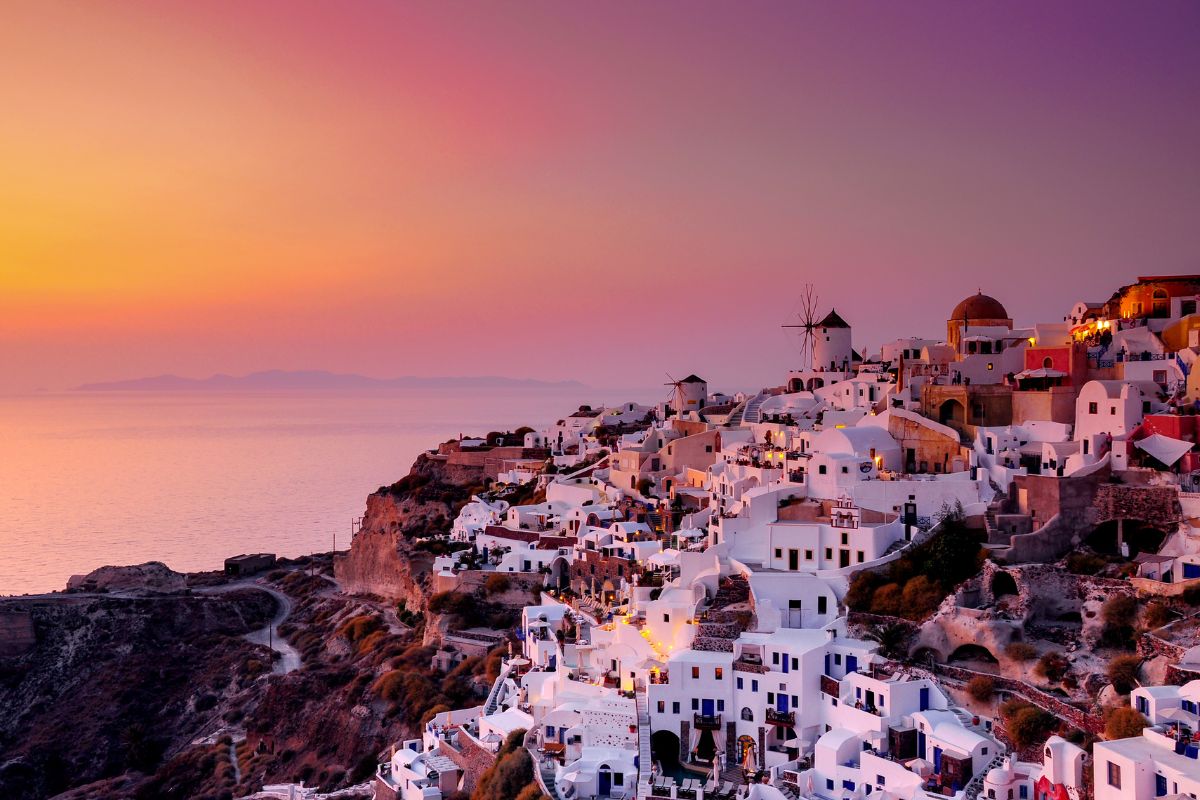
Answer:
(809, 321)
(673, 396)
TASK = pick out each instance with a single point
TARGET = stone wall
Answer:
(472, 759)
(1156, 506)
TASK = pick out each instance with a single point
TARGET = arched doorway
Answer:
(664, 750)
(604, 781)
(952, 412)
(1137, 535)
(973, 652)
(747, 751)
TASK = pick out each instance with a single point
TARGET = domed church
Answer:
(977, 311)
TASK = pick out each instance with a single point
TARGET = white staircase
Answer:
(645, 765)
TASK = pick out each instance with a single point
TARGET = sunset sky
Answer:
(599, 191)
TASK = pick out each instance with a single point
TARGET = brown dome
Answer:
(979, 306)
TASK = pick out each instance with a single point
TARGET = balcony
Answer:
(785, 718)
(660, 678)
(707, 722)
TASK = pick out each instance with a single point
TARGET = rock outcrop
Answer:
(153, 576)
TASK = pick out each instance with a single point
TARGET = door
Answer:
(793, 560)
(851, 664)
(1160, 785)
(925, 698)
(843, 558)
(781, 703)
(707, 708)
(921, 743)
(827, 672)
(605, 782)
(937, 759)
(784, 658)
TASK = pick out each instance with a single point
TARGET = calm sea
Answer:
(188, 479)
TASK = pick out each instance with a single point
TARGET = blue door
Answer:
(851, 663)
(921, 744)
(553, 661)
(781, 703)
(925, 699)
(786, 661)
(605, 782)
(827, 672)
(706, 708)
(1160, 785)
(937, 759)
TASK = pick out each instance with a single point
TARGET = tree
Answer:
(1052, 666)
(892, 639)
(887, 600)
(510, 773)
(1123, 672)
(1124, 722)
(921, 597)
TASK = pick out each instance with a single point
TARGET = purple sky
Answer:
(400, 189)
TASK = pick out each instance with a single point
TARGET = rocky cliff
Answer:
(382, 559)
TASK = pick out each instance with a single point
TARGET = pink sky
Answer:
(445, 188)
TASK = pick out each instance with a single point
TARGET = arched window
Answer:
(1047, 362)
(1161, 305)
(747, 714)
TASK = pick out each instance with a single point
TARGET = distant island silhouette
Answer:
(315, 380)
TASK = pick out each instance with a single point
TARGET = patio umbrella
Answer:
(1179, 715)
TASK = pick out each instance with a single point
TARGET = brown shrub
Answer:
(981, 687)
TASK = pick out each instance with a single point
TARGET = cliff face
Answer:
(381, 559)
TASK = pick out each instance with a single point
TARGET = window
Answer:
(618, 778)
(861, 557)
(753, 685)
(774, 658)
(845, 538)
(837, 659)
(666, 617)
(695, 704)
(829, 553)
(845, 470)
(719, 673)
(1112, 410)
(770, 698)
(739, 682)
(662, 706)
(808, 555)
(882, 781)
(674, 708)
(779, 552)
(1093, 408)
(1114, 775)
(747, 714)
(822, 604)
(720, 705)
(821, 470)
(696, 673)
